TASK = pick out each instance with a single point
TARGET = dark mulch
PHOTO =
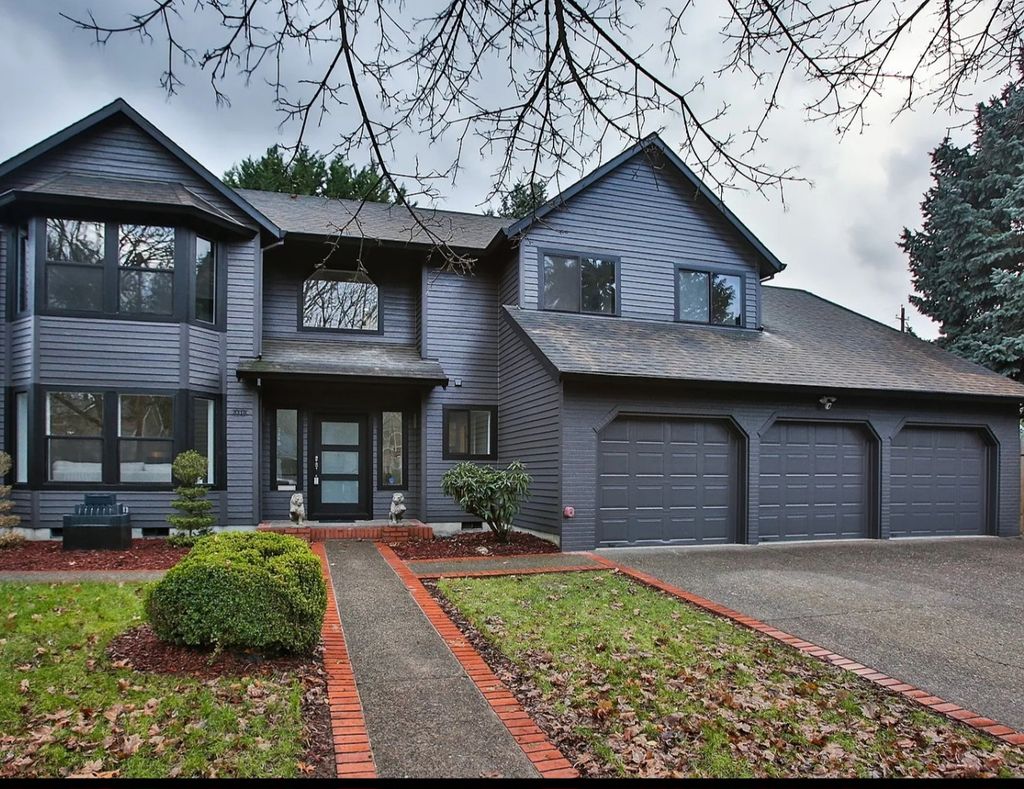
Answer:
(140, 649)
(530, 698)
(152, 554)
(459, 545)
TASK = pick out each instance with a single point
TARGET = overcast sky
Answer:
(838, 238)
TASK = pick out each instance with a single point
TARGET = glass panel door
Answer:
(340, 483)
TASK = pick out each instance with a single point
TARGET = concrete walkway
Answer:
(425, 717)
(78, 576)
(944, 615)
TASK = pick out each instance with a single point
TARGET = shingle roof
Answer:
(92, 187)
(302, 358)
(320, 216)
(806, 341)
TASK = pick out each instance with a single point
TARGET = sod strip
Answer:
(352, 753)
(922, 697)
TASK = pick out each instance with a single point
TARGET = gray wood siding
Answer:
(21, 366)
(44, 509)
(83, 351)
(462, 334)
(119, 150)
(654, 222)
(241, 400)
(205, 358)
(529, 428)
(587, 408)
(399, 299)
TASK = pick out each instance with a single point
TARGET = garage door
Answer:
(939, 482)
(667, 481)
(815, 482)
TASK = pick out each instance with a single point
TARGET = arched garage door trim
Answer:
(742, 464)
(872, 474)
(992, 445)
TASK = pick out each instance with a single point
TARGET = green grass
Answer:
(64, 709)
(652, 686)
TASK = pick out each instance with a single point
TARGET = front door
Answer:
(339, 462)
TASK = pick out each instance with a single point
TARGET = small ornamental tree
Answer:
(493, 495)
(8, 520)
(194, 518)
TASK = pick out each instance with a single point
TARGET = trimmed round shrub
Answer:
(242, 590)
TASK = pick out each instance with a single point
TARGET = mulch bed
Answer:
(460, 545)
(152, 554)
(140, 650)
(529, 696)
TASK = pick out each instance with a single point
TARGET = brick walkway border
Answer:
(922, 697)
(353, 757)
(546, 758)
(412, 530)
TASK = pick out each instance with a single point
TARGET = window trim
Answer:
(220, 434)
(183, 293)
(448, 409)
(543, 252)
(102, 438)
(272, 446)
(192, 247)
(121, 440)
(711, 271)
(381, 485)
(178, 241)
(300, 302)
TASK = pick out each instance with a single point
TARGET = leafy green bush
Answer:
(195, 519)
(493, 495)
(242, 590)
(8, 520)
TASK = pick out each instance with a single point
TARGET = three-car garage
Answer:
(682, 480)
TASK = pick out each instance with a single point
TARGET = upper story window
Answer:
(145, 259)
(340, 300)
(206, 280)
(129, 270)
(709, 297)
(579, 283)
(22, 273)
(75, 252)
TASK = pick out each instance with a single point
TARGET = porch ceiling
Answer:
(362, 361)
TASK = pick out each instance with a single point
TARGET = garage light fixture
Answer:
(827, 402)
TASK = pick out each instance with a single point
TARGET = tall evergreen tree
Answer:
(967, 261)
(523, 199)
(309, 173)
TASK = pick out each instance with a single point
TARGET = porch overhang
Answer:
(352, 362)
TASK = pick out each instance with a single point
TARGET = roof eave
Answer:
(430, 380)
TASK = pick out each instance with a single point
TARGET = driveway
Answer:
(945, 615)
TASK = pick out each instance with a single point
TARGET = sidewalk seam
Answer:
(351, 740)
(521, 726)
(927, 700)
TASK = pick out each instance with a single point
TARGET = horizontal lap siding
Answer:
(653, 221)
(205, 359)
(148, 509)
(529, 429)
(20, 333)
(241, 399)
(587, 408)
(462, 334)
(88, 351)
(119, 150)
(399, 299)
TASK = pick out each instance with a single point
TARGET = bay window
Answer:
(145, 260)
(145, 438)
(204, 434)
(74, 436)
(206, 280)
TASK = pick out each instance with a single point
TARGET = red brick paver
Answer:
(353, 757)
(546, 758)
(412, 530)
(922, 697)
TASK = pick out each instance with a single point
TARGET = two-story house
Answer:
(621, 343)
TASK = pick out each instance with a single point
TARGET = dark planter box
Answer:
(107, 536)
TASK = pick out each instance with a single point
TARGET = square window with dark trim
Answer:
(709, 297)
(470, 433)
(579, 283)
(340, 300)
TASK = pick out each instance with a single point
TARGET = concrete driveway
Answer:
(945, 615)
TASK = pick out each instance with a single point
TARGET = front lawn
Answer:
(65, 709)
(629, 681)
